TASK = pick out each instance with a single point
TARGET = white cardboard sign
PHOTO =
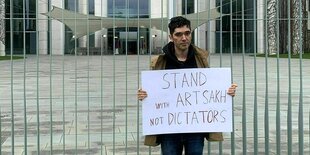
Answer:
(186, 101)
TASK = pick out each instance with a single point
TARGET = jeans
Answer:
(173, 144)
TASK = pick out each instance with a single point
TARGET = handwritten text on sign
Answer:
(187, 100)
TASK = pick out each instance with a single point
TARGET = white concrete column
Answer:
(42, 29)
(178, 8)
(58, 33)
(171, 10)
(212, 41)
(101, 10)
(158, 9)
(200, 32)
(83, 8)
(260, 26)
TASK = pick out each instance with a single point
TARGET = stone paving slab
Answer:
(93, 105)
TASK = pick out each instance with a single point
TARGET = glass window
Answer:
(188, 6)
(24, 19)
(236, 26)
(71, 4)
(29, 13)
(91, 7)
(120, 8)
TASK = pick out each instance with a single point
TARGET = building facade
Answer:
(237, 31)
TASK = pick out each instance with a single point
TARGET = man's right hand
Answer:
(141, 94)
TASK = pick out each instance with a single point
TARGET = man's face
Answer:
(181, 38)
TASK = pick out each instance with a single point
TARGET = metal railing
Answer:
(53, 103)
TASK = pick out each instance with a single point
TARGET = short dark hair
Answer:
(177, 22)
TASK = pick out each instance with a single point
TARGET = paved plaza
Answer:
(91, 102)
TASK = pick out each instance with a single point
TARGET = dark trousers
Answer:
(173, 144)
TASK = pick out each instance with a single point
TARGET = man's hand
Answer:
(232, 90)
(141, 94)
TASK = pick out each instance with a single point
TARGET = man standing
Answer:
(179, 53)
